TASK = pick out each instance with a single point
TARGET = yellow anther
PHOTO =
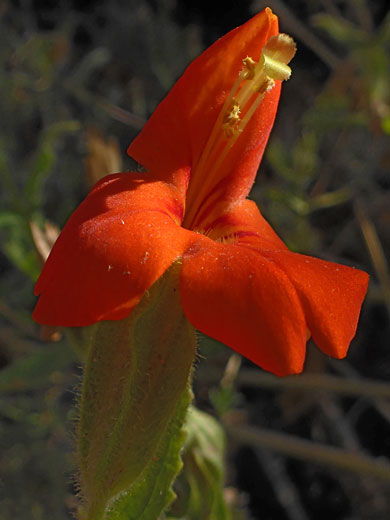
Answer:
(231, 118)
(249, 70)
(265, 86)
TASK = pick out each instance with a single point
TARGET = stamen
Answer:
(264, 87)
(248, 72)
(231, 119)
(252, 84)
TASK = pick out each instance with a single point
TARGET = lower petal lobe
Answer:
(237, 296)
(331, 296)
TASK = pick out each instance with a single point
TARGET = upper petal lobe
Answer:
(118, 242)
(175, 135)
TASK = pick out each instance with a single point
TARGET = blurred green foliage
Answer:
(199, 486)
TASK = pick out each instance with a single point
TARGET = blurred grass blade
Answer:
(331, 198)
(45, 160)
(18, 244)
(375, 249)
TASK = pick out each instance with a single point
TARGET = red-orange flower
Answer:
(239, 283)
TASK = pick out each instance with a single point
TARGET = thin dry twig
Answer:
(358, 387)
(44, 238)
(117, 113)
(283, 487)
(331, 7)
(338, 423)
(380, 404)
(231, 371)
(310, 451)
(103, 156)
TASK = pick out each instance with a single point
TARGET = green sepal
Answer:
(152, 492)
(134, 398)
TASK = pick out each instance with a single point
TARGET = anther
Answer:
(249, 70)
(265, 86)
(231, 118)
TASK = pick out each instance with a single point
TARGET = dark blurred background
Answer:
(77, 81)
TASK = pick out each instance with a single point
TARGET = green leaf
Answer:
(200, 484)
(10, 219)
(386, 124)
(331, 199)
(152, 492)
(135, 393)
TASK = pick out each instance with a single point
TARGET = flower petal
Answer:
(331, 296)
(243, 224)
(237, 296)
(118, 242)
(174, 137)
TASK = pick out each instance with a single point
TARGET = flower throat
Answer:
(253, 82)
